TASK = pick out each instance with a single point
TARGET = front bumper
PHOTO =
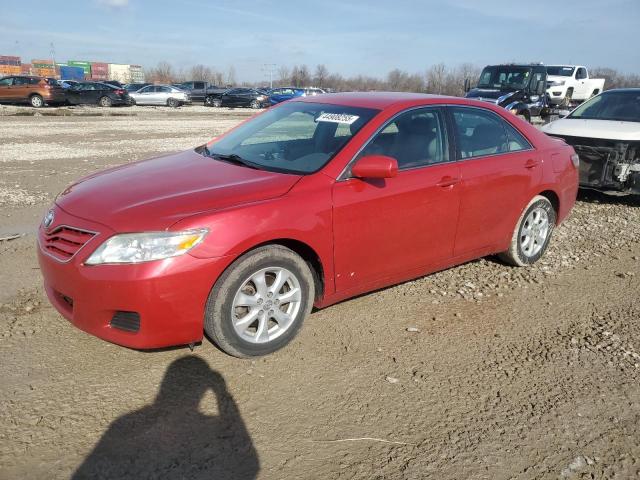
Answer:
(556, 94)
(168, 295)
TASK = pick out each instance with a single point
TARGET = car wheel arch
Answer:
(554, 199)
(306, 252)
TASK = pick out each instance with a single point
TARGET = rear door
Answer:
(20, 89)
(499, 169)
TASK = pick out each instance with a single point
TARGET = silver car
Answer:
(161, 95)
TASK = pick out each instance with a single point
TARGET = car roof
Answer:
(628, 89)
(382, 100)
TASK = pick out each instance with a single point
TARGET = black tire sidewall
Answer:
(173, 103)
(102, 103)
(546, 205)
(218, 320)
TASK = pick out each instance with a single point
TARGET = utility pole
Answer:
(270, 67)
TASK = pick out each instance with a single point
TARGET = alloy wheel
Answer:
(266, 305)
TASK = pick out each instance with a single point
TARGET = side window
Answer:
(5, 82)
(582, 73)
(515, 140)
(198, 85)
(479, 132)
(146, 90)
(163, 89)
(415, 138)
(20, 81)
(535, 78)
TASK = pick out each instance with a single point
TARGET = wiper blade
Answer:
(233, 158)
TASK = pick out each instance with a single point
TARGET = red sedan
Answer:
(311, 202)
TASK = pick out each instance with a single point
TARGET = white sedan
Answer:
(161, 95)
(605, 132)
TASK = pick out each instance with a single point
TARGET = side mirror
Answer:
(375, 166)
(541, 87)
(467, 85)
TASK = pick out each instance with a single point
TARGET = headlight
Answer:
(144, 247)
(558, 83)
(261, 98)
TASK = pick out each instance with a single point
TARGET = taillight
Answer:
(120, 92)
(47, 86)
(575, 159)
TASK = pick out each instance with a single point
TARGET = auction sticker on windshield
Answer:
(337, 118)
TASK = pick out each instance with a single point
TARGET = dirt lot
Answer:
(479, 372)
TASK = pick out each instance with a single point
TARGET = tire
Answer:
(105, 102)
(216, 102)
(528, 249)
(173, 103)
(226, 308)
(566, 101)
(254, 104)
(36, 101)
(595, 92)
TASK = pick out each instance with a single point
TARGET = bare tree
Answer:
(320, 76)
(231, 76)
(162, 73)
(283, 76)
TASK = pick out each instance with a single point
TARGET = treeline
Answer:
(437, 79)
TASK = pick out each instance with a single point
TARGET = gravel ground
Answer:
(482, 371)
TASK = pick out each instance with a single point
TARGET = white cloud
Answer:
(115, 3)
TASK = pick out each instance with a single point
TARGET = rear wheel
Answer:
(260, 302)
(105, 102)
(532, 233)
(173, 103)
(36, 101)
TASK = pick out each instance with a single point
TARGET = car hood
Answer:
(605, 129)
(491, 95)
(154, 194)
(557, 78)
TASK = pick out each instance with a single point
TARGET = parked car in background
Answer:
(36, 91)
(314, 201)
(114, 83)
(134, 87)
(160, 95)
(282, 94)
(520, 89)
(239, 97)
(67, 83)
(571, 83)
(605, 133)
(199, 91)
(98, 93)
(311, 91)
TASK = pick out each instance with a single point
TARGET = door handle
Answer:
(531, 163)
(448, 181)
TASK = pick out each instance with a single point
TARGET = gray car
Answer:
(161, 95)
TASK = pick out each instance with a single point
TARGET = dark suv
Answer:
(36, 91)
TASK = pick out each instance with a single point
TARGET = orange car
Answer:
(36, 91)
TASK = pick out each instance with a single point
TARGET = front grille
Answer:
(64, 242)
(128, 321)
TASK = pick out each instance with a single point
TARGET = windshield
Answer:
(297, 137)
(560, 71)
(623, 106)
(504, 76)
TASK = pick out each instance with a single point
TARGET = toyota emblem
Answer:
(48, 219)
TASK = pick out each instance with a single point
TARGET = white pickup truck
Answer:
(571, 83)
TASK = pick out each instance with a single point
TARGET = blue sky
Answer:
(349, 36)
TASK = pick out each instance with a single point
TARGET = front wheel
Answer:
(254, 104)
(173, 103)
(105, 102)
(260, 302)
(532, 233)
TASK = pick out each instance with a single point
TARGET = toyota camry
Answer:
(309, 203)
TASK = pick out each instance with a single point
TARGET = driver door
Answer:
(393, 229)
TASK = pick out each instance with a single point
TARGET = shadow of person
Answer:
(172, 439)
